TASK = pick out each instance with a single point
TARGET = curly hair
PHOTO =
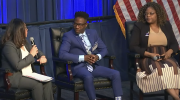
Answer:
(161, 14)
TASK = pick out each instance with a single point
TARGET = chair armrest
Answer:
(4, 70)
(6, 79)
(68, 66)
(178, 52)
(56, 59)
(111, 58)
(134, 55)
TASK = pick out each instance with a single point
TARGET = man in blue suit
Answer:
(79, 45)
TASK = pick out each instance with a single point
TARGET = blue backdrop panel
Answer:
(46, 10)
(116, 44)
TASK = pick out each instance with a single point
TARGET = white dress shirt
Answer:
(81, 57)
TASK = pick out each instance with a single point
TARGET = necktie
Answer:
(89, 67)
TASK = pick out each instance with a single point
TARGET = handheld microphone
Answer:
(33, 43)
(155, 58)
(158, 57)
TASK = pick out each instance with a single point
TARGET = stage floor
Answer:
(68, 95)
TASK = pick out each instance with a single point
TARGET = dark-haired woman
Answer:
(152, 37)
(17, 54)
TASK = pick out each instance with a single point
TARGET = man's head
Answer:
(80, 22)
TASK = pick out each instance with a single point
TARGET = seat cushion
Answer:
(77, 84)
(14, 93)
(17, 94)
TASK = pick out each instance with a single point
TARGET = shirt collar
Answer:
(83, 34)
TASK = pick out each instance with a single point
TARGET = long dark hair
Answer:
(15, 32)
(161, 14)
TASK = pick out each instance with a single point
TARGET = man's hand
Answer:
(42, 60)
(89, 59)
(94, 58)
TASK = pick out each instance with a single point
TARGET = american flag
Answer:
(127, 10)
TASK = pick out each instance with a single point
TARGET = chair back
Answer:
(131, 60)
(128, 27)
(56, 35)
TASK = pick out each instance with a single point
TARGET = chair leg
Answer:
(59, 94)
(131, 89)
(76, 95)
(165, 95)
(140, 95)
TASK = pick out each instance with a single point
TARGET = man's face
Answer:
(79, 25)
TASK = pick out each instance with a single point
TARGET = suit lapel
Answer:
(80, 41)
(91, 39)
(145, 31)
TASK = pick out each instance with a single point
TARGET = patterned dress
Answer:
(159, 75)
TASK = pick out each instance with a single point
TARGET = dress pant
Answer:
(40, 90)
(99, 71)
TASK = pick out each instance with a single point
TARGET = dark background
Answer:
(31, 11)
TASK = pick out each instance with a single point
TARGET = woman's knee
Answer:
(39, 85)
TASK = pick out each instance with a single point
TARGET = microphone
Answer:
(33, 43)
(156, 57)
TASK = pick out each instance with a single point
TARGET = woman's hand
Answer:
(34, 50)
(42, 60)
(152, 55)
(167, 54)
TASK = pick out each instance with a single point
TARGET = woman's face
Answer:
(26, 30)
(150, 15)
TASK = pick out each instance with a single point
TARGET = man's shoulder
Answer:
(91, 30)
(69, 33)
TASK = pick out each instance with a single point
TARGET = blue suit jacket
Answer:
(72, 46)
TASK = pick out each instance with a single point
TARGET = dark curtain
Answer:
(108, 30)
(47, 10)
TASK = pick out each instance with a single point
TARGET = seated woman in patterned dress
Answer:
(152, 36)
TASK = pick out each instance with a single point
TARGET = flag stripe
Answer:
(134, 8)
(123, 8)
(143, 2)
(120, 17)
(177, 7)
(160, 2)
(148, 0)
(138, 3)
(129, 9)
(120, 13)
(175, 16)
(179, 2)
(171, 19)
